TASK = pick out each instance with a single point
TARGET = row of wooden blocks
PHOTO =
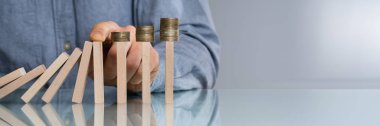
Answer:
(144, 34)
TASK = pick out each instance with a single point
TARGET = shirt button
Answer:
(67, 46)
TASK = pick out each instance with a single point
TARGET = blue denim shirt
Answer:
(34, 32)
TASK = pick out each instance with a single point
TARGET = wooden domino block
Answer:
(169, 70)
(10, 117)
(61, 76)
(146, 90)
(169, 33)
(12, 76)
(52, 115)
(9, 88)
(79, 117)
(98, 72)
(32, 114)
(121, 39)
(41, 81)
(121, 72)
(80, 83)
(145, 35)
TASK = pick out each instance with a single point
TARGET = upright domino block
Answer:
(169, 33)
(61, 76)
(9, 88)
(145, 35)
(121, 39)
(12, 76)
(98, 72)
(41, 81)
(80, 83)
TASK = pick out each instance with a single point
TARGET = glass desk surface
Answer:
(262, 107)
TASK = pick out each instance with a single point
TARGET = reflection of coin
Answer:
(145, 33)
(120, 36)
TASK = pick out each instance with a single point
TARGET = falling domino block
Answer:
(12, 76)
(52, 115)
(61, 76)
(9, 88)
(41, 81)
(32, 114)
(145, 35)
(98, 72)
(80, 83)
(121, 39)
(169, 33)
(10, 117)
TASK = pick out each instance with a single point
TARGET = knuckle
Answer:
(132, 65)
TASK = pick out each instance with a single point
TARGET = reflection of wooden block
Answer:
(98, 72)
(169, 115)
(10, 118)
(12, 76)
(78, 112)
(61, 76)
(41, 81)
(122, 117)
(3, 123)
(99, 115)
(52, 115)
(121, 72)
(32, 114)
(80, 84)
(9, 88)
(169, 71)
(146, 95)
(146, 115)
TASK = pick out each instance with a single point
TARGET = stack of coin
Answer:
(145, 33)
(120, 36)
(169, 29)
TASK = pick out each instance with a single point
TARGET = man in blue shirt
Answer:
(34, 32)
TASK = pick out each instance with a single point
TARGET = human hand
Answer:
(101, 32)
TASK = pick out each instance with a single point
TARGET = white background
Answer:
(298, 43)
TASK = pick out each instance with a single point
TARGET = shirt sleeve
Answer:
(196, 54)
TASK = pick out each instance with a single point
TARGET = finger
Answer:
(101, 30)
(154, 62)
(138, 87)
(99, 33)
(134, 54)
(137, 77)
(110, 69)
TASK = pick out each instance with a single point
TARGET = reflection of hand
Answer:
(101, 33)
